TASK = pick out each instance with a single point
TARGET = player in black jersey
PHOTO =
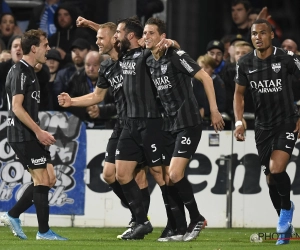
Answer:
(266, 72)
(24, 135)
(171, 73)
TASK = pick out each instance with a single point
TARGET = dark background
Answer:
(193, 23)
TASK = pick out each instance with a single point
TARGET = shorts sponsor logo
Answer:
(287, 146)
(181, 152)
(39, 161)
(117, 152)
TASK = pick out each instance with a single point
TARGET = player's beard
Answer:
(124, 45)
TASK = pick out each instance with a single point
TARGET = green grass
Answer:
(105, 238)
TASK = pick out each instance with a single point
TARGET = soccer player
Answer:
(24, 135)
(171, 74)
(266, 72)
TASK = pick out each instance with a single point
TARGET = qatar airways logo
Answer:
(116, 82)
(128, 68)
(267, 86)
(162, 83)
(39, 161)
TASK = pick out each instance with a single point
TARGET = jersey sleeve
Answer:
(184, 63)
(240, 76)
(19, 83)
(294, 65)
(102, 81)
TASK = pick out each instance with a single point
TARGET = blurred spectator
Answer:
(67, 31)
(215, 49)
(53, 63)
(231, 50)
(208, 64)
(252, 16)
(291, 45)
(5, 55)
(8, 28)
(241, 48)
(4, 8)
(16, 52)
(79, 49)
(83, 82)
(239, 13)
(42, 16)
(226, 41)
(146, 8)
(43, 75)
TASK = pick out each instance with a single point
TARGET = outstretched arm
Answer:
(90, 99)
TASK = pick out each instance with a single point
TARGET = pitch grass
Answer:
(105, 238)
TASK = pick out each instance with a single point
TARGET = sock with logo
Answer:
(186, 194)
(275, 197)
(25, 202)
(146, 199)
(134, 198)
(171, 220)
(283, 184)
(40, 198)
(178, 214)
(117, 189)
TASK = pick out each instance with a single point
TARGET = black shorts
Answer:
(32, 154)
(112, 145)
(181, 143)
(141, 141)
(279, 138)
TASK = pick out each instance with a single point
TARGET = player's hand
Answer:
(217, 121)
(164, 44)
(93, 111)
(297, 129)
(82, 22)
(64, 100)
(263, 14)
(45, 138)
(141, 42)
(62, 52)
(239, 133)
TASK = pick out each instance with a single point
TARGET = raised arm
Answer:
(97, 96)
(85, 23)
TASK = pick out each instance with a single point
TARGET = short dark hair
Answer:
(246, 3)
(31, 37)
(9, 14)
(161, 25)
(132, 24)
(261, 21)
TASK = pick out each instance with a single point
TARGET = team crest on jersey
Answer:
(276, 67)
(164, 68)
(136, 54)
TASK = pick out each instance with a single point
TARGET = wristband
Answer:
(238, 123)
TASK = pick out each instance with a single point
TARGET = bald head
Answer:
(290, 45)
(92, 65)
